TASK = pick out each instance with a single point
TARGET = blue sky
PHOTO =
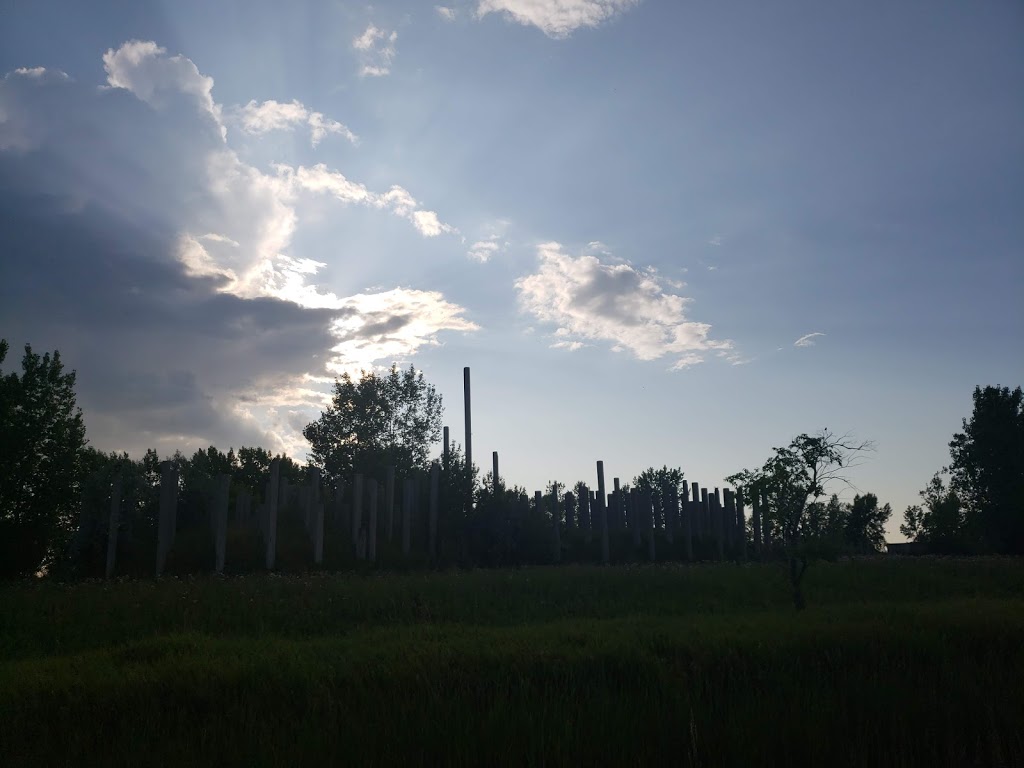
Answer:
(658, 232)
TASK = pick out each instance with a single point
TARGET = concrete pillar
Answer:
(407, 502)
(167, 523)
(115, 523)
(696, 512)
(718, 520)
(389, 502)
(222, 491)
(670, 503)
(756, 501)
(620, 522)
(570, 502)
(494, 474)
(648, 516)
(686, 523)
(435, 485)
(447, 451)
(357, 511)
(469, 424)
(602, 510)
(371, 526)
(635, 516)
(584, 507)
(741, 522)
(273, 500)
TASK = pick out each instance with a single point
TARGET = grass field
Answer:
(905, 662)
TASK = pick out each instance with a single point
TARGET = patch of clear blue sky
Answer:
(863, 167)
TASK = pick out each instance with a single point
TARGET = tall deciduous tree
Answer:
(376, 421)
(41, 437)
(658, 481)
(790, 484)
(941, 522)
(987, 468)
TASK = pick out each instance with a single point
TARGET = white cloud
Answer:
(143, 68)
(376, 49)
(483, 250)
(556, 18)
(807, 341)
(392, 325)
(39, 73)
(397, 199)
(448, 14)
(260, 118)
(590, 300)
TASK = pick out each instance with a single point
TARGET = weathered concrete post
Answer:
(570, 502)
(389, 502)
(312, 499)
(741, 522)
(696, 512)
(115, 524)
(286, 491)
(168, 514)
(620, 522)
(705, 515)
(469, 423)
(687, 523)
(648, 502)
(670, 503)
(371, 526)
(243, 501)
(756, 501)
(718, 518)
(435, 485)
(494, 474)
(602, 511)
(222, 491)
(446, 455)
(584, 506)
(636, 521)
(407, 494)
(270, 535)
(357, 511)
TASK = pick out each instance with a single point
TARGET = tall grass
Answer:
(895, 663)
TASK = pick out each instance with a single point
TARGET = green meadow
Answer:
(895, 662)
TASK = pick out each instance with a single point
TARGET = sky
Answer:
(657, 232)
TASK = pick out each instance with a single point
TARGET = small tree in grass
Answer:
(789, 486)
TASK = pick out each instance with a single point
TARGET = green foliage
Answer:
(941, 523)
(659, 483)
(987, 468)
(534, 666)
(374, 422)
(41, 436)
(789, 486)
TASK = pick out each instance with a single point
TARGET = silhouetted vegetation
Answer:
(41, 440)
(982, 510)
(788, 487)
(908, 662)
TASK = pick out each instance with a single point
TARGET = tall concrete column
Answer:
(273, 502)
(115, 524)
(220, 520)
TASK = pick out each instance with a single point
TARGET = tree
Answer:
(41, 437)
(789, 485)
(987, 468)
(658, 482)
(376, 421)
(941, 523)
(864, 524)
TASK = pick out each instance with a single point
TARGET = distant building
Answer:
(907, 548)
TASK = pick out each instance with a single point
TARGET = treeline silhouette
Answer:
(56, 494)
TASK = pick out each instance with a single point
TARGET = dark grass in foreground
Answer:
(906, 663)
